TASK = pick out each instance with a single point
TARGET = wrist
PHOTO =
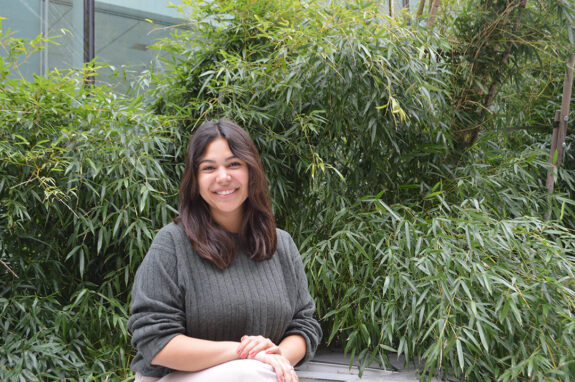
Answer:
(293, 347)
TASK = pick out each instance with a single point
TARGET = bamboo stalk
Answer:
(560, 132)
(504, 59)
(420, 8)
(433, 12)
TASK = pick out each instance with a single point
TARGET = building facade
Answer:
(118, 32)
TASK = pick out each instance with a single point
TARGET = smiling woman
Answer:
(223, 183)
(225, 150)
(222, 294)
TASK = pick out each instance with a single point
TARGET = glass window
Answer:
(23, 20)
(124, 30)
(124, 35)
(66, 24)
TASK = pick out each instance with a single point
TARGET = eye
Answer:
(207, 168)
(236, 164)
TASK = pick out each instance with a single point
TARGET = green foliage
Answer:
(86, 177)
(513, 50)
(15, 51)
(475, 285)
(474, 297)
(335, 97)
(506, 183)
(342, 104)
(82, 341)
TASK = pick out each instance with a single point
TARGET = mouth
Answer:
(225, 192)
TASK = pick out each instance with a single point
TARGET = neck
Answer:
(231, 222)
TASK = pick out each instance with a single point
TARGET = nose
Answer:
(223, 175)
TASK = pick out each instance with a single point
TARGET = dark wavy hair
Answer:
(257, 236)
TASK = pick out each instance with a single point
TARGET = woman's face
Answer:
(223, 182)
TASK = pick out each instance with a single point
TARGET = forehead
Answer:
(217, 150)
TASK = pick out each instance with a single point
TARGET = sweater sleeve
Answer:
(157, 313)
(303, 322)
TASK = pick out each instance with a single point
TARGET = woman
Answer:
(222, 294)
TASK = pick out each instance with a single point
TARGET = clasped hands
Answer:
(264, 350)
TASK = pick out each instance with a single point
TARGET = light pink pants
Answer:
(241, 370)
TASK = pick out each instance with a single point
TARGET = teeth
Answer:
(225, 192)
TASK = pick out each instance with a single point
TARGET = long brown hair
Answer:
(257, 236)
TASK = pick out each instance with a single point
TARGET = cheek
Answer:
(246, 178)
(202, 184)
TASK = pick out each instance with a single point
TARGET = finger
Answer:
(274, 362)
(279, 370)
(283, 368)
(251, 345)
(252, 348)
(287, 373)
(245, 351)
(244, 342)
(259, 344)
(241, 346)
(273, 350)
(265, 345)
(295, 377)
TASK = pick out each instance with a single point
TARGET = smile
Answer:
(225, 192)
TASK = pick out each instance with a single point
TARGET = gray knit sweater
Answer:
(177, 292)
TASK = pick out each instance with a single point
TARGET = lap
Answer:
(245, 370)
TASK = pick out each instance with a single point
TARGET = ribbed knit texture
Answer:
(177, 292)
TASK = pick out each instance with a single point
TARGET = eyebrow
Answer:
(213, 161)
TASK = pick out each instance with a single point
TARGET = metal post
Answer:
(77, 51)
(44, 22)
(89, 39)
